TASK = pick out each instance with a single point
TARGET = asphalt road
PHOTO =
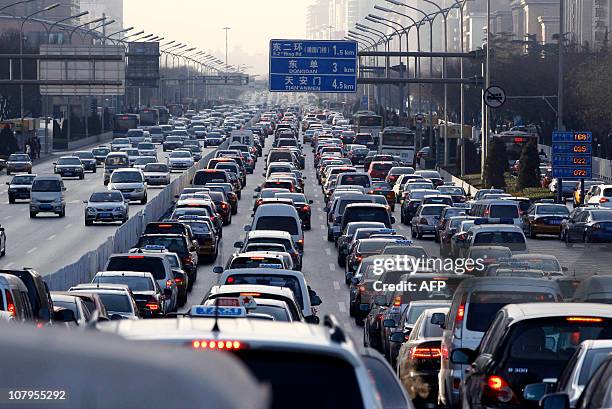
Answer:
(47, 242)
(321, 269)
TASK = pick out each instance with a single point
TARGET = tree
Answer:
(496, 164)
(529, 167)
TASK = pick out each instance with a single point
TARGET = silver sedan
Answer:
(106, 206)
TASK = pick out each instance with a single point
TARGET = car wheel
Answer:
(182, 300)
(532, 235)
(8, 172)
(307, 226)
(568, 242)
(144, 200)
(342, 263)
(95, 169)
(239, 194)
(33, 215)
(330, 236)
(88, 222)
(81, 176)
(11, 199)
(62, 213)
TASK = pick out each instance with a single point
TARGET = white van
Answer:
(48, 196)
(281, 217)
(497, 209)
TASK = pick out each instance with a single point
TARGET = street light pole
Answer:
(227, 29)
(61, 21)
(50, 7)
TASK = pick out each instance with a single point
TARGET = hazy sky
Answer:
(200, 24)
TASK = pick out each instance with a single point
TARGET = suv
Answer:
(38, 294)
(48, 196)
(20, 187)
(14, 298)
(178, 244)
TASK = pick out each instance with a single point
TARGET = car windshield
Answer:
(451, 190)
(69, 161)
(296, 197)
(126, 177)
(19, 158)
(156, 167)
(23, 180)
(176, 245)
(559, 210)
(116, 303)
(279, 313)
(180, 154)
(153, 265)
(134, 283)
(121, 141)
(135, 133)
(483, 305)
(601, 215)
(147, 146)
(46, 185)
(100, 151)
(282, 223)
(84, 155)
(106, 197)
(143, 160)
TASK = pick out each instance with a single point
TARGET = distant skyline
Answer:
(199, 23)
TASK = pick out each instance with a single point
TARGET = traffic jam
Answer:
(349, 277)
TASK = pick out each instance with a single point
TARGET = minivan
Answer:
(473, 308)
(366, 212)
(498, 209)
(205, 176)
(113, 161)
(38, 294)
(48, 196)
(355, 178)
(14, 298)
(282, 217)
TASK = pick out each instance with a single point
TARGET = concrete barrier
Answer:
(79, 143)
(448, 177)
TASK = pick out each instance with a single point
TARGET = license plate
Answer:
(45, 207)
(105, 215)
(554, 222)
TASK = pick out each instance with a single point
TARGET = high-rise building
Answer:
(317, 20)
(112, 9)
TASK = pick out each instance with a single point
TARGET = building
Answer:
(67, 8)
(112, 9)
(588, 22)
(317, 20)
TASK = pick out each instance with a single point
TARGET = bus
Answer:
(368, 122)
(515, 141)
(149, 117)
(398, 141)
(164, 115)
(123, 123)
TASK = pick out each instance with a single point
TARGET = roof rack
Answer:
(337, 333)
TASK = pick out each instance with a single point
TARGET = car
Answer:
(142, 161)
(69, 166)
(147, 149)
(135, 136)
(150, 260)
(74, 303)
(106, 206)
(175, 243)
(600, 195)
(595, 289)
(517, 339)
(100, 153)
(119, 144)
(335, 210)
(593, 225)
(149, 297)
(172, 142)
(474, 306)
(426, 219)
(455, 192)
(132, 154)
(493, 234)
(346, 236)
(273, 236)
(47, 195)
(281, 217)
(544, 218)
(88, 160)
(362, 248)
(18, 162)
(117, 298)
(114, 161)
(431, 175)
(180, 160)
(156, 174)
(15, 301)
(204, 233)
(20, 187)
(301, 204)
(2, 241)
(131, 183)
(418, 360)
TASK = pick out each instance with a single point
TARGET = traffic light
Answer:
(94, 106)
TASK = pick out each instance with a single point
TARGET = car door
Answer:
(576, 227)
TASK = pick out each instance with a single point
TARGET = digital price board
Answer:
(572, 155)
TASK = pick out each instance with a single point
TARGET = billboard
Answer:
(96, 69)
(143, 64)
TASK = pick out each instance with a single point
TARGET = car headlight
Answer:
(139, 189)
(57, 200)
(118, 209)
(91, 210)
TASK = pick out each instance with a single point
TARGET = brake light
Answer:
(168, 283)
(425, 353)
(306, 208)
(362, 288)
(584, 319)
(460, 314)
(230, 280)
(397, 301)
(250, 294)
(224, 344)
(164, 226)
(301, 241)
(135, 256)
(603, 200)
(359, 258)
(487, 212)
(10, 305)
(498, 389)
(224, 205)
(152, 306)
(187, 260)
(178, 281)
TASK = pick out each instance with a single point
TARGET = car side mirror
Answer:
(355, 280)
(310, 201)
(312, 319)
(462, 356)
(315, 300)
(55, 163)
(63, 188)
(555, 401)
(247, 228)
(398, 337)
(217, 270)
(64, 315)
(389, 323)
(85, 201)
(392, 220)
(438, 318)
(167, 293)
(535, 391)
(257, 189)
(238, 244)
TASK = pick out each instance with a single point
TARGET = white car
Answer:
(143, 161)
(180, 160)
(600, 195)
(131, 183)
(147, 149)
(157, 174)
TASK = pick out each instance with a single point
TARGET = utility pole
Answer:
(485, 117)
(560, 127)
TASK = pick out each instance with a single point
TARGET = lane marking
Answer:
(69, 225)
(32, 250)
(328, 251)
(51, 237)
(7, 217)
(332, 266)
(323, 227)
(341, 306)
(7, 266)
(336, 285)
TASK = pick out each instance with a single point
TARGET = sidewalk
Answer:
(88, 143)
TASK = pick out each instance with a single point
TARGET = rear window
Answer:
(344, 203)
(432, 210)
(164, 228)
(135, 283)
(361, 180)
(282, 223)
(515, 241)
(116, 302)
(254, 262)
(489, 253)
(483, 305)
(202, 178)
(372, 246)
(382, 166)
(271, 280)
(279, 313)
(172, 244)
(504, 211)
(281, 185)
(152, 265)
(312, 372)
(553, 339)
(366, 215)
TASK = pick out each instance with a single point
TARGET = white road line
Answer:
(7, 217)
(332, 266)
(321, 217)
(32, 250)
(328, 251)
(336, 285)
(75, 201)
(51, 237)
(325, 238)
(341, 306)
(7, 266)
(323, 227)
(69, 225)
